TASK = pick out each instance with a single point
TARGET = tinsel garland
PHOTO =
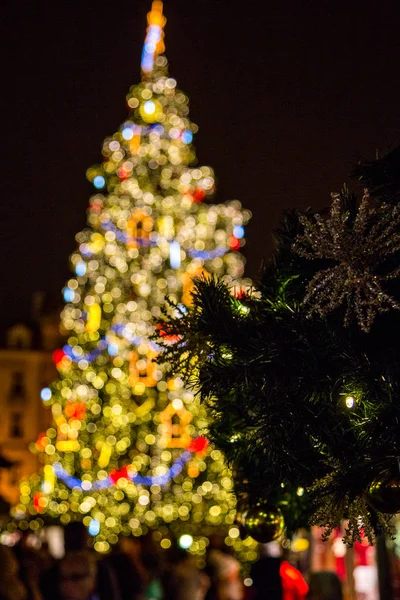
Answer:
(303, 372)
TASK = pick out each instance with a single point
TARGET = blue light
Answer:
(101, 484)
(80, 268)
(157, 129)
(127, 132)
(68, 294)
(154, 34)
(187, 137)
(147, 61)
(112, 349)
(94, 527)
(45, 394)
(238, 231)
(99, 182)
(150, 48)
(175, 255)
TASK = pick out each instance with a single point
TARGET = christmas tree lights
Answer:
(127, 452)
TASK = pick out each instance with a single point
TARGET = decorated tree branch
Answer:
(302, 372)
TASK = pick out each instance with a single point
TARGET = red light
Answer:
(41, 442)
(234, 243)
(166, 335)
(122, 174)
(96, 206)
(198, 445)
(75, 410)
(198, 195)
(120, 474)
(241, 295)
(37, 496)
(58, 355)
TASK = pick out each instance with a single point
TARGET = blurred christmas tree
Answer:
(303, 376)
(126, 452)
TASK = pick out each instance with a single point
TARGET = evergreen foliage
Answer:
(304, 400)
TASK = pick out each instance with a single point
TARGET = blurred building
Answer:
(26, 367)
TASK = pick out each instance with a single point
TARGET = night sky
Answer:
(287, 95)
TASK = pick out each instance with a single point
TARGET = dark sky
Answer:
(287, 95)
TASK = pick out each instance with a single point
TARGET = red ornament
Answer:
(120, 474)
(234, 243)
(58, 355)
(198, 445)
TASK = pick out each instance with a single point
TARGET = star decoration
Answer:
(359, 245)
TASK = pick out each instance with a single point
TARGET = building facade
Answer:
(26, 367)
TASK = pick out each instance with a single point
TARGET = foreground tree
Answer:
(303, 376)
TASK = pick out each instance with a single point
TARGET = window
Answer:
(17, 388)
(14, 475)
(19, 336)
(16, 428)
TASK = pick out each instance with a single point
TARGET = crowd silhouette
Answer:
(136, 569)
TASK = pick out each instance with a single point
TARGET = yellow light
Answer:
(105, 455)
(49, 479)
(350, 401)
(155, 17)
(68, 446)
(151, 111)
(300, 545)
(94, 318)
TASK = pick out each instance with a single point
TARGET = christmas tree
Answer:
(303, 376)
(126, 452)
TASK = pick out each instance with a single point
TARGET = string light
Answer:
(101, 484)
